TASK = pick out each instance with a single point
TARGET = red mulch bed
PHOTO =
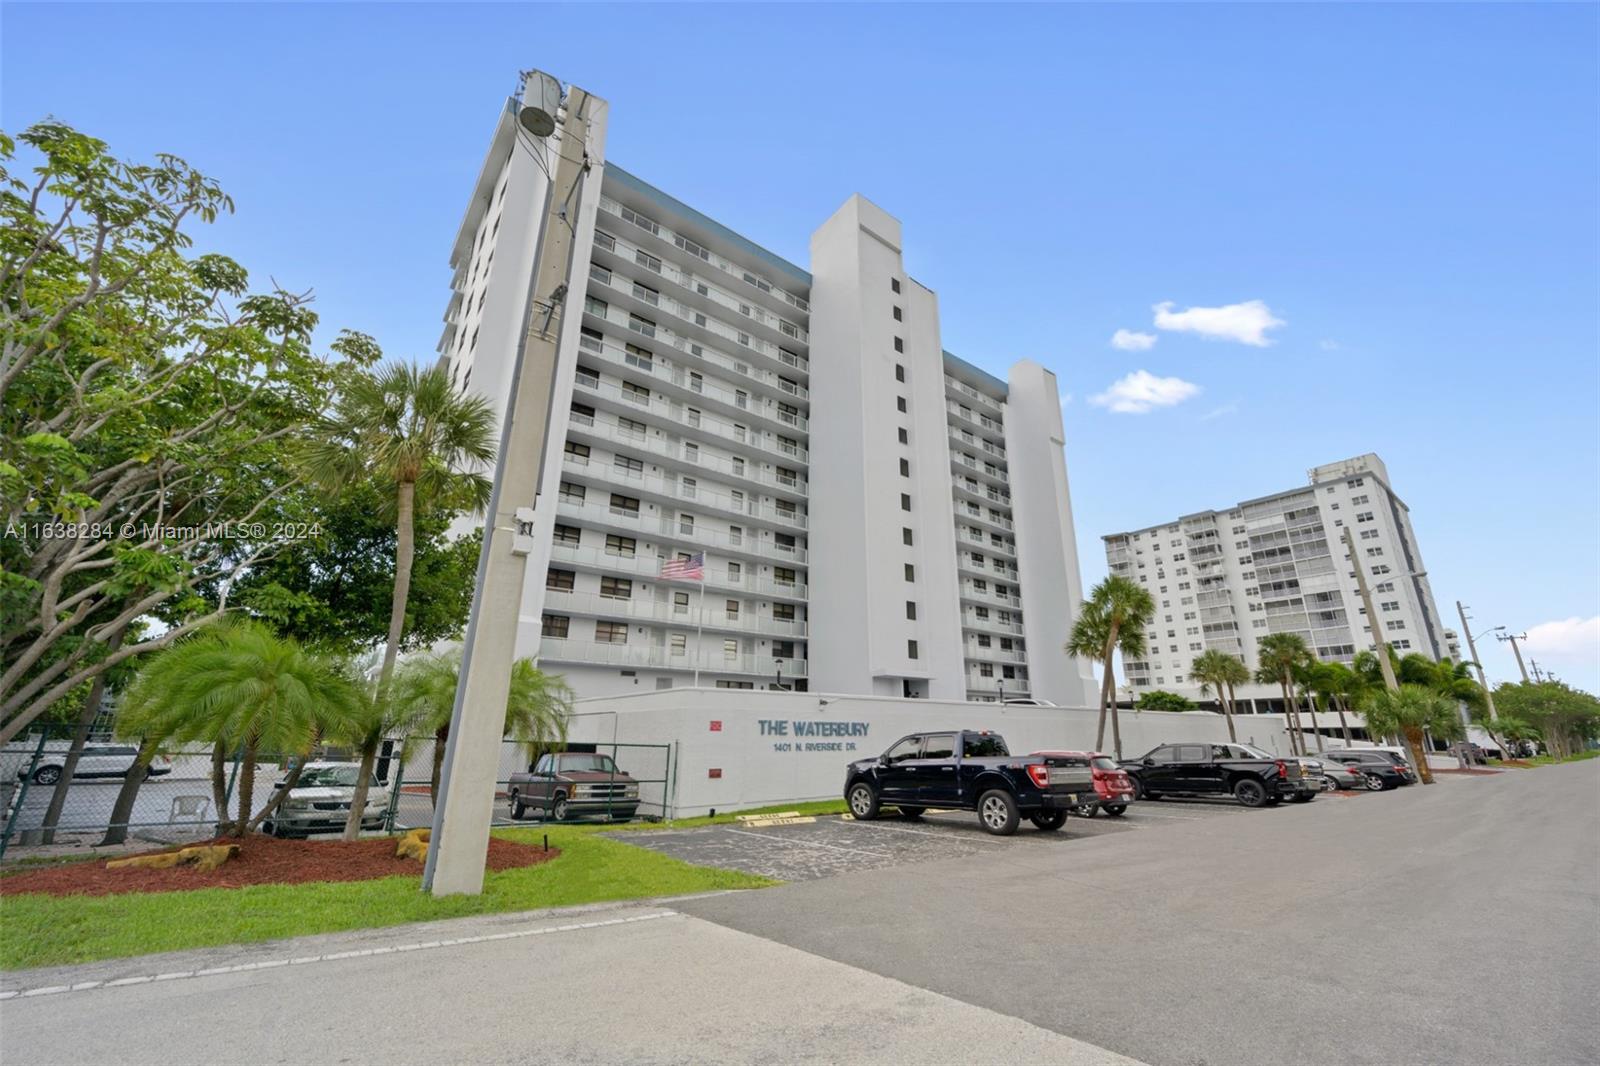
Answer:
(262, 860)
(1473, 772)
(1516, 762)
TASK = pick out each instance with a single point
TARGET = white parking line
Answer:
(804, 843)
(918, 832)
(269, 964)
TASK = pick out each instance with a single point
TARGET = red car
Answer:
(1111, 782)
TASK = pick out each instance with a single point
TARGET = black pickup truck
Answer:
(969, 770)
(1249, 775)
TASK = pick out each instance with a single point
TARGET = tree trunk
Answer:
(441, 736)
(404, 553)
(1413, 738)
(1291, 720)
(279, 795)
(1105, 687)
(1311, 702)
(247, 786)
(80, 736)
(358, 805)
(1116, 730)
(1227, 709)
(122, 809)
(1344, 726)
(219, 786)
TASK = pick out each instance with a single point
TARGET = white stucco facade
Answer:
(803, 429)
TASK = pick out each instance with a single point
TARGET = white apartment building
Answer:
(1279, 564)
(873, 512)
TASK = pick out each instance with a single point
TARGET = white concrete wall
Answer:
(1047, 548)
(858, 588)
(757, 770)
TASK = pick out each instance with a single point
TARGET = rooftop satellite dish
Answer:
(541, 99)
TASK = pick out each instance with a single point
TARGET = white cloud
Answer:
(1142, 391)
(1246, 323)
(1127, 340)
(1066, 398)
(1577, 638)
(1329, 345)
(1220, 412)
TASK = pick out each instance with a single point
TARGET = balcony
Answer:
(968, 541)
(661, 657)
(608, 478)
(693, 387)
(631, 404)
(594, 560)
(654, 527)
(562, 601)
(994, 653)
(970, 620)
(981, 493)
(972, 394)
(988, 597)
(974, 418)
(972, 512)
(1012, 686)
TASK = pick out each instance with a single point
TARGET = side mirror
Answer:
(883, 760)
(1149, 762)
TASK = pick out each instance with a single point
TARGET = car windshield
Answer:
(1103, 762)
(601, 763)
(1252, 752)
(328, 777)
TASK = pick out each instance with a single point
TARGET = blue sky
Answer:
(1410, 190)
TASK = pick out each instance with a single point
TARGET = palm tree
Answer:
(1305, 677)
(1408, 711)
(238, 684)
(1336, 682)
(1112, 618)
(1278, 656)
(1452, 680)
(1217, 669)
(424, 695)
(410, 432)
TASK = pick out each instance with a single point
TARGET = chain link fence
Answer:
(47, 801)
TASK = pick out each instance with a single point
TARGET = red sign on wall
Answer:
(716, 726)
(715, 771)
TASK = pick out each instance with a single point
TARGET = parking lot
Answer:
(837, 844)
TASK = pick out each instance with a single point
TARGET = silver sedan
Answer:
(1337, 775)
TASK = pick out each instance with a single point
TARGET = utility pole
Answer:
(1536, 675)
(1513, 638)
(1472, 649)
(1378, 640)
(459, 840)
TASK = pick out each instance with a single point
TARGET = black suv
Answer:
(1249, 775)
(1381, 769)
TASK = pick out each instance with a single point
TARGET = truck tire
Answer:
(1049, 822)
(863, 802)
(1115, 810)
(911, 814)
(517, 809)
(998, 813)
(1250, 791)
(559, 811)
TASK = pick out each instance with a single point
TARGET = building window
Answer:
(588, 379)
(680, 603)
(626, 506)
(555, 625)
(905, 502)
(911, 572)
(571, 493)
(628, 465)
(567, 534)
(985, 670)
(730, 650)
(897, 315)
(899, 372)
(900, 403)
(622, 546)
(911, 649)
(611, 632)
(578, 453)
(783, 612)
(646, 260)
(595, 307)
(983, 640)
(904, 437)
(783, 575)
(678, 644)
(736, 572)
(735, 684)
(641, 325)
(905, 468)
(905, 535)
(894, 284)
(616, 588)
(732, 608)
(911, 611)
(559, 579)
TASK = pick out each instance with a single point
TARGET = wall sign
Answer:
(716, 726)
(809, 734)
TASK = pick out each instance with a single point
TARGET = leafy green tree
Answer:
(1113, 618)
(1408, 712)
(237, 684)
(1567, 719)
(148, 400)
(1340, 687)
(424, 694)
(1508, 731)
(1278, 657)
(408, 432)
(1451, 680)
(1162, 700)
(335, 589)
(1213, 669)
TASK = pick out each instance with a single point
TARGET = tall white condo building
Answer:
(758, 475)
(1279, 564)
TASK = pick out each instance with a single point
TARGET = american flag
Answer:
(690, 568)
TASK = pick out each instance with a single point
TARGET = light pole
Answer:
(1373, 623)
(1472, 649)
(459, 840)
(1512, 639)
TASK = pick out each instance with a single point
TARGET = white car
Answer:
(320, 801)
(97, 760)
(1027, 701)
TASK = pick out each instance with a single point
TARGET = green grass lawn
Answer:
(48, 930)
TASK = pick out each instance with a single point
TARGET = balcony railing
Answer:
(561, 601)
(649, 566)
(662, 657)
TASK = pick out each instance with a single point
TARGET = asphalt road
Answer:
(1458, 923)
(1344, 932)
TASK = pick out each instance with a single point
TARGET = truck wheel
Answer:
(560, 812)
(998, 813)
(1050, 822)
(1250, 792)
(1115, 810)
(863, 802)
(517, 809)
(911, 814)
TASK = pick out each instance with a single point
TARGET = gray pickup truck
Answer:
(970, 770)
(573, 784)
